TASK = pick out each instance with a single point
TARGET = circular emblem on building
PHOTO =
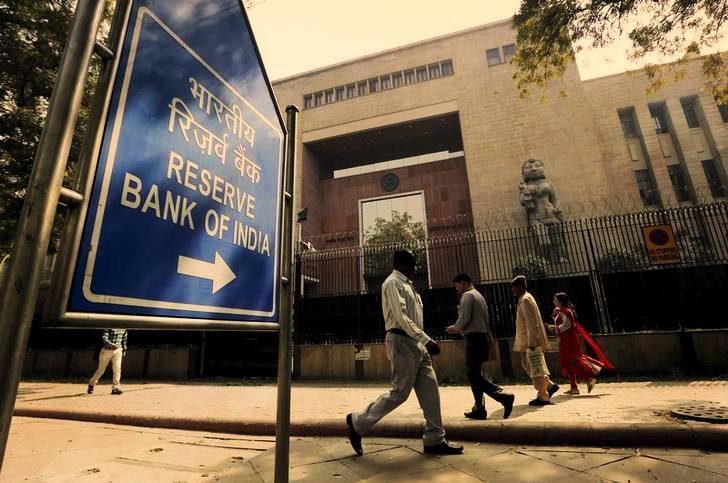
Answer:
(659, 237)
(389, 182)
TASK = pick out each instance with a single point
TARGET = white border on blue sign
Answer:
(111, 157)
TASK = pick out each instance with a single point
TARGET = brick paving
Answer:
(70, 451)
(618, 402)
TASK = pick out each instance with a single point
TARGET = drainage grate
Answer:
(710, 413)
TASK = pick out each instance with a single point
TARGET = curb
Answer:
(666, 435)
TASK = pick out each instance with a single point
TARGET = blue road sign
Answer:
(184, 215)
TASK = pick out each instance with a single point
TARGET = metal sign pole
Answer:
(20, 292)
(288, 282)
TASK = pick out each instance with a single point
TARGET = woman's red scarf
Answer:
(590, 342)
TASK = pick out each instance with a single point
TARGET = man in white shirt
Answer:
(409, 352)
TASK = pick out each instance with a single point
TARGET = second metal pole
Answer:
(287, 286)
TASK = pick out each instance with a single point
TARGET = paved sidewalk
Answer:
(50, 450)
(621, 402)
(632, 414)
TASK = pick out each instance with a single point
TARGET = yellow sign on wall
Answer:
(661, 244)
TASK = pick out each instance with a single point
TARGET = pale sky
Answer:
(299, 35)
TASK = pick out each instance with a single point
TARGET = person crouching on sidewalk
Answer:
(531, 342)
(113, 350)
(472, 323)
(574, 363)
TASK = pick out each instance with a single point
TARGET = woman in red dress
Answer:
(574, 363)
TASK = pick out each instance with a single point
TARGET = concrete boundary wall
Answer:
(141, 363)
(650, 353)
(633, 354)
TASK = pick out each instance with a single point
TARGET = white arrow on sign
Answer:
(218, 272)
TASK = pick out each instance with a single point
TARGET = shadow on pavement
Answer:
(66, 396)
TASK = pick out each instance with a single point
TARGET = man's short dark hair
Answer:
(403, 257)
(519, 281)
(462, 278)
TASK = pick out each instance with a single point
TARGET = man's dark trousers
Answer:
(476, 352)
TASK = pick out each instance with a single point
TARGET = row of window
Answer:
(678, 178)
(379, 83)
(658, 114)
(723, 108)
(494, 56)
(679, 183)
(647, 190)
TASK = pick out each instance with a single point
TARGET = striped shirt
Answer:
(114, 339)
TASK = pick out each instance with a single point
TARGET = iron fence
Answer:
(602, 262)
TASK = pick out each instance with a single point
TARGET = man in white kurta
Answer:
(409, 352)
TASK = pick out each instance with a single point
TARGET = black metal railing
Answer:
(602, 262)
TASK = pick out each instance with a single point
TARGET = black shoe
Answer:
(480, 414)
(116, 391)
(508, 400)
(553, 390)
(443, 448)
(90, 389)
(354, 437)
(538, 402)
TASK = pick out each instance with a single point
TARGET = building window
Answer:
(421, 74)
(723, 108)
(688, 106)
(679, 183)
(628, 122)
(373, 86)
(646, 187)
(409, 76)
(659, 118)
(509, 51)
(434, 71)
(446, 67)
(717, 189)
(493, 56)
(379, 83)
(397, 79)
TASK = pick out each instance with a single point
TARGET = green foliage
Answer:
(550, 32)
(32, 37)
(532, 266)
(385, 236)
(400, 229)
(619, 259)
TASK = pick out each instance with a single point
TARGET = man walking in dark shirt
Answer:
(472, 323)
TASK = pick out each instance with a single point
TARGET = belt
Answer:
(399, 332)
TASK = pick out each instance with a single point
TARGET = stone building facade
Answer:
(439, 125)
